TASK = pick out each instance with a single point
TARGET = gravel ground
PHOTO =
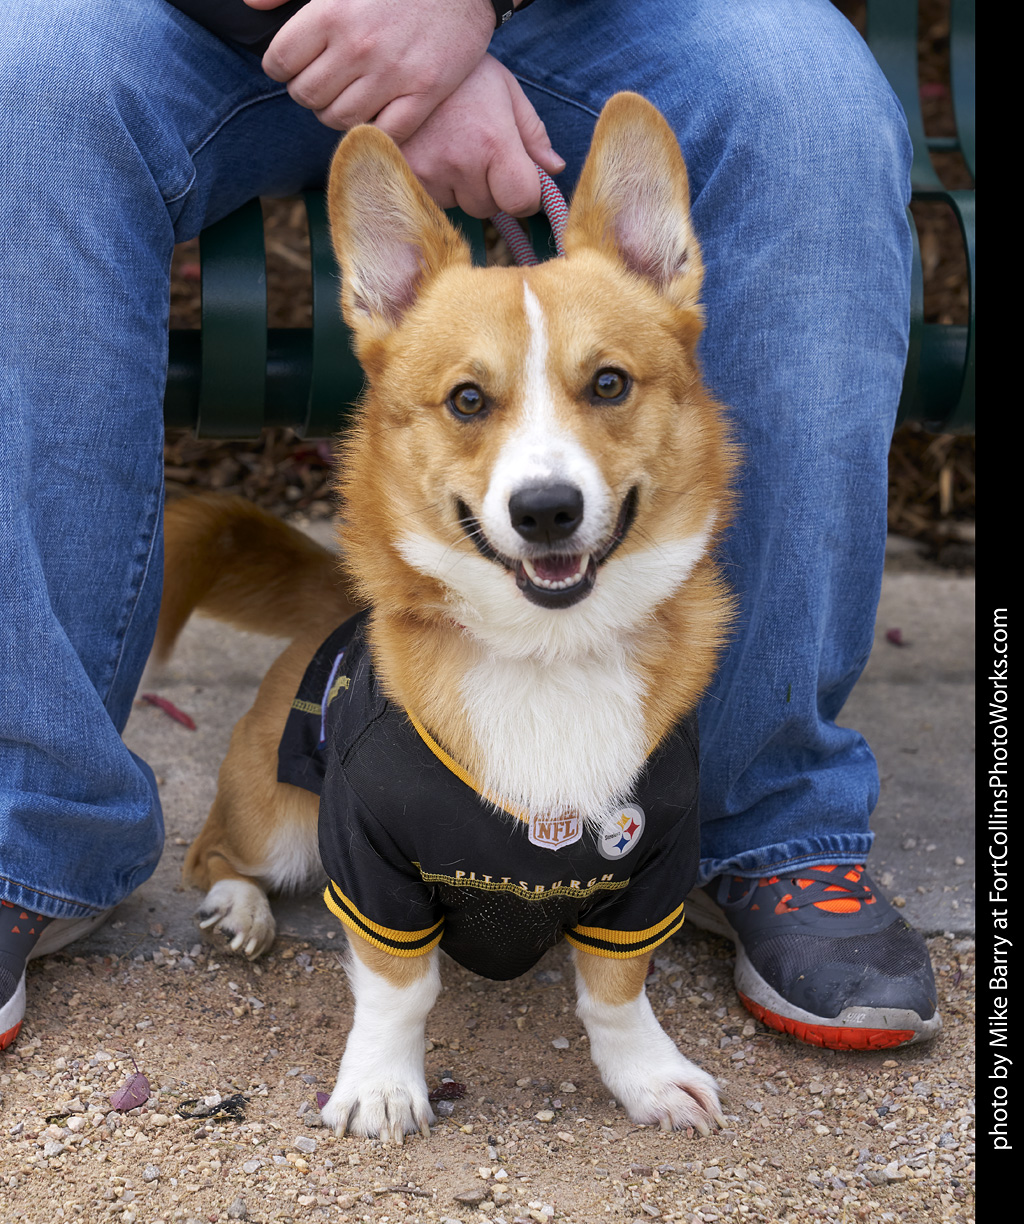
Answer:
(812, 1135)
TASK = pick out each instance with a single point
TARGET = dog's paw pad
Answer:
(241, 914)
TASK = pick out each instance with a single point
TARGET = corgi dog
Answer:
(531, 495)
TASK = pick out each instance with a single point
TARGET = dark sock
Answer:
(19, 930)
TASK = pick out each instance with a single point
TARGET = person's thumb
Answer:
(532, 131)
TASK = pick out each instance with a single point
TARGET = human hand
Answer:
(478, 148)
(387, 61)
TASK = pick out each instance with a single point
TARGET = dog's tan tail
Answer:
(232, 561)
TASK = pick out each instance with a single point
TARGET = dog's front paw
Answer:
(667, 1091)
(639, 1062)
(377, 1106)
(240, 911)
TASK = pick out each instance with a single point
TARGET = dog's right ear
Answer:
(633, 200)
(389, 236)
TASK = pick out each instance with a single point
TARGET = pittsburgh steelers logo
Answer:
(621, 831)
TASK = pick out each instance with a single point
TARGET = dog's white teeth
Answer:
(558, 584)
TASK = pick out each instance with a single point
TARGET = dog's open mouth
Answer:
(555, 579)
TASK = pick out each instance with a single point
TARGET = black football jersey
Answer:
(417, 857)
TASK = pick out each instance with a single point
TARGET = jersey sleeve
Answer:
(651, 909)
(373, 887)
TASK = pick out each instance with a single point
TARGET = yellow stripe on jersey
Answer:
(399, 943)
(621, 944)
(451, 764)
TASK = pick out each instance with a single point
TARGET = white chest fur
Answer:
(558, 735)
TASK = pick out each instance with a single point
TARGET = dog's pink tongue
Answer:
(556, 568)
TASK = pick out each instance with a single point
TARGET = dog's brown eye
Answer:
(610, 384)
(466, 401)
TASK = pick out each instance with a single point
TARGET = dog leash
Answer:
(516, 237)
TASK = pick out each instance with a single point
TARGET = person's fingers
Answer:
(532, 131)
(513, 182)
(360, 102)
(473, 196)
(295, 46)
(437, 187)
(403, 116)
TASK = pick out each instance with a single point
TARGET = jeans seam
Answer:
(42, 892)
(795, 862)
(554, 93)
(152, 528)
(236, 110)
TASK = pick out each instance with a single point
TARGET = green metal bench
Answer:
(233, 376)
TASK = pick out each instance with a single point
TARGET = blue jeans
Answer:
(126, 128)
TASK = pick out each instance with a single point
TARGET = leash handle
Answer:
(516, 238)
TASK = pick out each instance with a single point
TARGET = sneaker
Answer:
(56, 934)
(824, 957)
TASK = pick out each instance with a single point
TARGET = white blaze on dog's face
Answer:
(542, 453)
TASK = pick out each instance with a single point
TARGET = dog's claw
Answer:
(666, 1123)
(702, 1128)
(720, 1121)
(241, 913)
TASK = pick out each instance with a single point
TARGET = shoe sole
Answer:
(11, 1015)
(855, 1028)
(57, 934)
(61, 931)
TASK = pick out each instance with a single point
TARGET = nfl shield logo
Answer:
(554, 832)
(621, 831)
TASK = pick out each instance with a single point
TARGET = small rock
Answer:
(251, 1166)
(150, 1173)
(545, 1115)
(53, 1148)
(471, 1198)
(238, 1209)
(304, 1143)
(561, 1043)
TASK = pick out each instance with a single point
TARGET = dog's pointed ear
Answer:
(389, 236)
(633, 200)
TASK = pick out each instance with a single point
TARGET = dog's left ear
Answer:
(633, 200)
(389, 236)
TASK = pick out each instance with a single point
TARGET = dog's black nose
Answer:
(543, 514)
